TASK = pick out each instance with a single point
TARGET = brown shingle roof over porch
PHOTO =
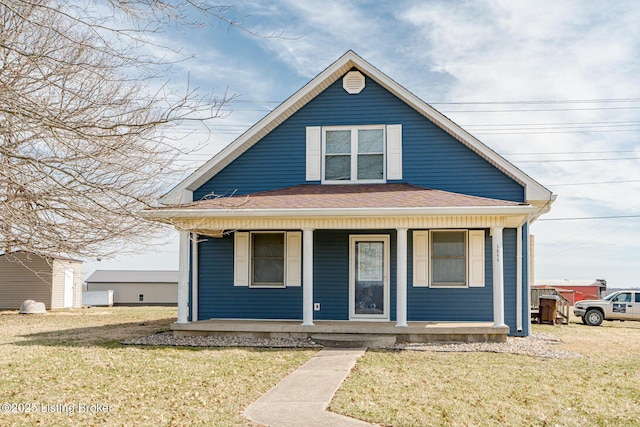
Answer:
(347, 196)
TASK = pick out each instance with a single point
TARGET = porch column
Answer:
(401, 278)
(498, 276)
(183, 281)
(194, 277)
(307, 277)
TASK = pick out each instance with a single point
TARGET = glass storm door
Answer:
(369, 287)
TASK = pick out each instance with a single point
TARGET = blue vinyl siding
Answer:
(331, 272)
(220, 299)
(449, 304)
(431, 157)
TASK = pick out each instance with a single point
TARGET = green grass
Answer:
(487, 389)
(69, 358)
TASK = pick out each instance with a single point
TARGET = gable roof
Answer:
(133, 276)
(535, 193)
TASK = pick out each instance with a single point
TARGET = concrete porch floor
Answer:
(414, 332)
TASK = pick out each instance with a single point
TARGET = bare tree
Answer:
(84, 137)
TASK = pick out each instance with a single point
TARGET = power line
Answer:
(541, 110)
(558, 101)
(515, 132)
(515, 102)
(562, 124)
(589, 218)
(575, 160)
(570, 152)
(592, 183)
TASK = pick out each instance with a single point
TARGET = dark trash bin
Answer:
(547, 309)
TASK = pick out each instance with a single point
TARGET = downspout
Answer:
(519, 279)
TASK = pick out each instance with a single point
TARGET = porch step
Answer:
(353, 340)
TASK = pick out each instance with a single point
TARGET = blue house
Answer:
(355, 206)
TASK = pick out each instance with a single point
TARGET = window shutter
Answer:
(420, 258)
(476, 258)
(314, 158)
(394, 152)
(294, 259)
(241, 259)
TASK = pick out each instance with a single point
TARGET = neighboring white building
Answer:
(53, 280)
(137, 287)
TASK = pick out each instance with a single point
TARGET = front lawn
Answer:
(69, 368)
(487, 389)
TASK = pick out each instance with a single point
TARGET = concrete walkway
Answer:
(302, 397)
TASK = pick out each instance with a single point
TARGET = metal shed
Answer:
(53, 280)
(137, 287)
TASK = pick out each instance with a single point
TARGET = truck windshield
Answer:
(608, 297)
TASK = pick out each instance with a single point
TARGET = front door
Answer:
(369, 277)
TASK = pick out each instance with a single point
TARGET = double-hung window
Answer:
(354, 154)
(268, 259)
(448, 258)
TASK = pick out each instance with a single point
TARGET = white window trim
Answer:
(423, 238)
(243, 259)
(466, 260)
(284, 261)
(354, 154)
(353, 238)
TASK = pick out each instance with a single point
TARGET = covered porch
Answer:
(397, 217)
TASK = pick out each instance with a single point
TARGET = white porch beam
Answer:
(307, 277)
(183, 281)
(401, 278)
(498, 276)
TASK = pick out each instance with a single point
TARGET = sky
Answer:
(551, 86)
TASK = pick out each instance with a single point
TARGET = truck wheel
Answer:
(593, 317)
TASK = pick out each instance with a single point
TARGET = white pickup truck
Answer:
(621, 305)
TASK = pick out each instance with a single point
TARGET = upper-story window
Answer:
(353, 154)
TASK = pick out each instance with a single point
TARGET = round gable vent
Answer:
(353, 82)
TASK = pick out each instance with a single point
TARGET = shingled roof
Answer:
(345, 196)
